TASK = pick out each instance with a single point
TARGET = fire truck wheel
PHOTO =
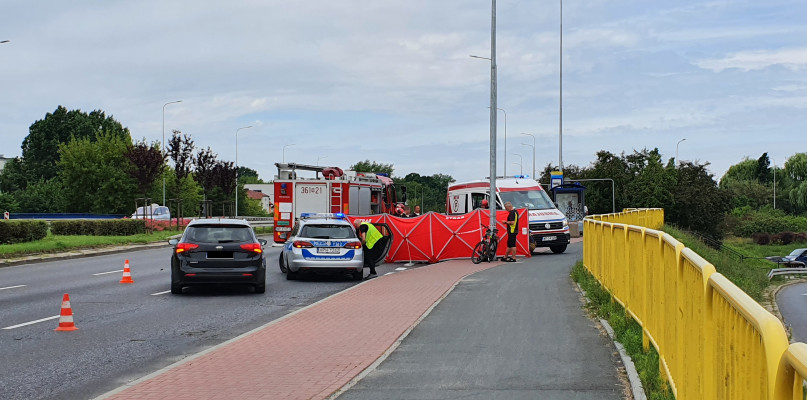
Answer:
(281, 263)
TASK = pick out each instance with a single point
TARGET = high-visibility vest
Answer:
(514, 226)
(372, 236)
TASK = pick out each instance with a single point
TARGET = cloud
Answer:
(794, 59)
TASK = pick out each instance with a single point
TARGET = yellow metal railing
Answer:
(713, 340)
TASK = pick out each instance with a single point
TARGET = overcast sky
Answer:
(392, 81)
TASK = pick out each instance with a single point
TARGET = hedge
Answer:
(98, 227)
(22, 231)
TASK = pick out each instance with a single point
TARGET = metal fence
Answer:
(713, 340)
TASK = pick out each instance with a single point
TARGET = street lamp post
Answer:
(284, 151)
(560, 102)
(676, 149)
(774, 182)
(493, 108)
(533, 153)
(163, 143)
(520, 163)
(236, 166)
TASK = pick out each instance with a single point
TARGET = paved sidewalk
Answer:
(316, 351)
(313, 352)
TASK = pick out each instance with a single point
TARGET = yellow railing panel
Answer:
(713, 340)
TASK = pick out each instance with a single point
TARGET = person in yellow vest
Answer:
(369, 236)
(512, 232)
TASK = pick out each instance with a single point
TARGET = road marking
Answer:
(11, 287)
(32, 322)
(110, 272)
(400, 269)
(389, 273)
(157, 294)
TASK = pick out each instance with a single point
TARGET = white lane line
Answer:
(389, 273)
(32, 322)
(400, 269)
(11, 287)
(110, 272)
(157, 294)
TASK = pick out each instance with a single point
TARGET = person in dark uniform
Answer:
(512, 232)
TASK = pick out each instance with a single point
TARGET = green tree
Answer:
(8, 203)
(40, 149)
(13, 176)
(699, 205)
(745, 170)
(372, 166)
(42, 197)
(94, 174)
(763, 170)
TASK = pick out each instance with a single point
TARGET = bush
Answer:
(22, 231)
(102, 227)
(787, 237)
(744, 223)
(761, 238)
(801, 237)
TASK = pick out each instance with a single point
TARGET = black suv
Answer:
(214, 251)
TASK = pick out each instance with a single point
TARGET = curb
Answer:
(630, 369)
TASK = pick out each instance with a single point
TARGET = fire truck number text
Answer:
(310, 189)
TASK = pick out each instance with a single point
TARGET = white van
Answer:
(154, 211)
(548, 226)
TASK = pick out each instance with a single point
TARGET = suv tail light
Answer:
(300, 244)
(183, 247)
(253, 247)
(353, 245)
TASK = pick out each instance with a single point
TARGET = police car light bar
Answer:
(323, 215)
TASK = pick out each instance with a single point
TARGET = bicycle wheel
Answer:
(480, 252)
(494, 244)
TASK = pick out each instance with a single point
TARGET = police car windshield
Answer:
(327, 231)
(529, 199)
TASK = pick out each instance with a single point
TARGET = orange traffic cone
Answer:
(127, 274)
(66, 316)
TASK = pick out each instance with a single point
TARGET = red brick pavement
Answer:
(312, 353)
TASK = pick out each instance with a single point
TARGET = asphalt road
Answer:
(126, 330)
(516, 331)
(792, 301)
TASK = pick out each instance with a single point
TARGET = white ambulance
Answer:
(548, 226)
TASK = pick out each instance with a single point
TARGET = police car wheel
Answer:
(281, 263)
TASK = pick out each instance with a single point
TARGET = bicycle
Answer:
(486, 249)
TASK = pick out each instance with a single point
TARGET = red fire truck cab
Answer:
(331, 190)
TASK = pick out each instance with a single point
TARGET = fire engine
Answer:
(548, 226)
(332, 190)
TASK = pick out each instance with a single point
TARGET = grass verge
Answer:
(627, 332)
(56, 243)
(750, 275)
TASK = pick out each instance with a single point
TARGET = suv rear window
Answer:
(329, 231)
(218, 234)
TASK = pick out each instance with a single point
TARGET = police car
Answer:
(322, 243)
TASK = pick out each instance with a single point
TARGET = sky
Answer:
(337, 82)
